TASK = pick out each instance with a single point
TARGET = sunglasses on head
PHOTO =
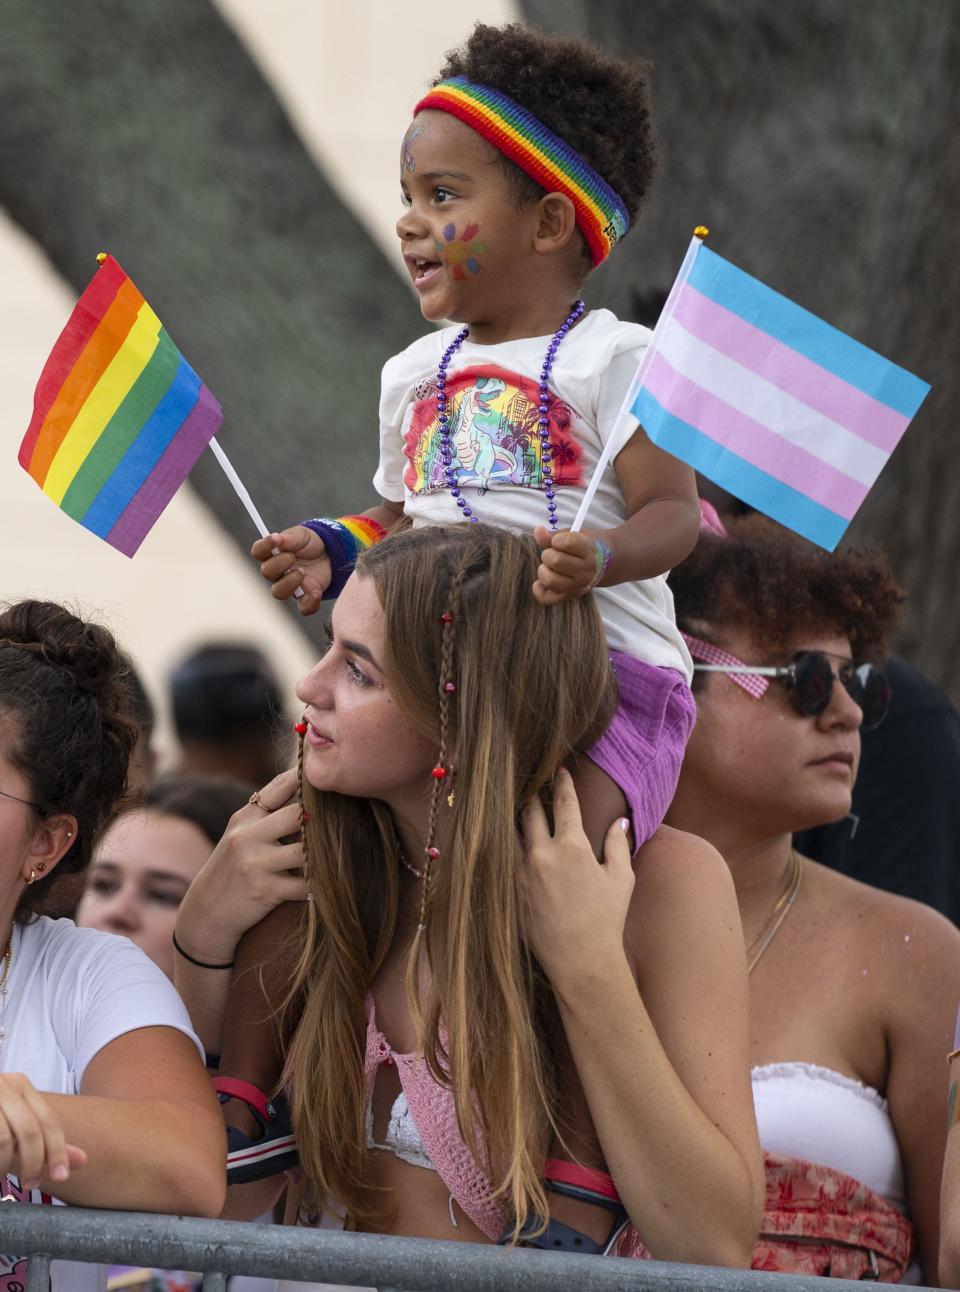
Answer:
(809, 679)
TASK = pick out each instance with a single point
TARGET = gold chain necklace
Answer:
(781, 909)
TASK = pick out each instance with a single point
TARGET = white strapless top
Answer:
(819, 1115)
(402, 1138)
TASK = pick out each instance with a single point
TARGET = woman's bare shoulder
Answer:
(675, 857)
(896, 931)
(852, 899)
(681, 879)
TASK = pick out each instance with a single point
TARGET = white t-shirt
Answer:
(493, 394)
(71, 992)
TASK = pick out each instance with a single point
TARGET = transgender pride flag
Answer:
(767, 400)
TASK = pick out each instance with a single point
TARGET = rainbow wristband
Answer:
(603, 555)
(344, 539)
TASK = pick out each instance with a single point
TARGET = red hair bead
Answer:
(447, 617)
(300, 728)
(432, 853)
(439, 773)
(450, 687)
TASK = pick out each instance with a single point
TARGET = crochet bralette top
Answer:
(434, 1114)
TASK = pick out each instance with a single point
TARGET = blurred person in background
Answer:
(228, 712)
(148, 857)
(143, 760)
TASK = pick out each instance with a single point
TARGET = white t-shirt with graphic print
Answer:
(493, 394)
(70, 992)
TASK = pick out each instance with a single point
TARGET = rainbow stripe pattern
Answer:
(602, 217)
(770, 402)
(119, 416)
(345, 538)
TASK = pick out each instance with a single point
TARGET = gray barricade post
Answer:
(220, 1248)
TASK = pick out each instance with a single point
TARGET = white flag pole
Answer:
(696, 242)
(241, 491)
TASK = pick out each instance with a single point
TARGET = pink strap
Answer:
(710, 519)
(754, 684)
(581, 1177)
(238, 1089)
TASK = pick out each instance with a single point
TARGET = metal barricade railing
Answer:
(219, 1248)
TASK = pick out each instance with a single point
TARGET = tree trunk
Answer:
(145, 129)
(819, 142)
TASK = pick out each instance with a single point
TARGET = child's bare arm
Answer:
(660, 530)
(296, 558)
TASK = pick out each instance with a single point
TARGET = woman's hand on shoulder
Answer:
(253, 869)
(32, 1141)
(576, 907)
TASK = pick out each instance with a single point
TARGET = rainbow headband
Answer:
(518, 134)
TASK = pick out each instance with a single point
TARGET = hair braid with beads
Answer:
(441, 771)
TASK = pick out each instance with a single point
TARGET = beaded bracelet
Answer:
(344, 539)
(201, 964)
(603, 555)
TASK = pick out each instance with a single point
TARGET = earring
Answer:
(33, 877)
(41, 867)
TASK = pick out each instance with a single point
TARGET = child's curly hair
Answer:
(600, 106)
(769, 583)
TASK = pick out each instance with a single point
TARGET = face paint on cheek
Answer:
(461, 255)
(407, 159)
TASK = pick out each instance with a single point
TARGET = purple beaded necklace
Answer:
(443, 421)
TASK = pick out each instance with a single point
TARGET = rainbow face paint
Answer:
(602, 217)
(463, 253)
(407, 158)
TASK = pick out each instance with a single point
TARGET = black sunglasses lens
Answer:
(868, 687)
(812, 683)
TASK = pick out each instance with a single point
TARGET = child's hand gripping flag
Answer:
(120, 417)
(767, 400)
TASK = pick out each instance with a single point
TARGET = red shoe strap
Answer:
(581, 1177)
(250, 1094)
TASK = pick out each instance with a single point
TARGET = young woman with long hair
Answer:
(487, 1032)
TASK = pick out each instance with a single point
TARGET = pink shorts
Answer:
(642, 749)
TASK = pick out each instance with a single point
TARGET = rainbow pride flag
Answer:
(770, 402)
(119, 415)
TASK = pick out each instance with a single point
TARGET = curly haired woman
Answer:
(852, 990)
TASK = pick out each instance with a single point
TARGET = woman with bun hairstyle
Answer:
(104, 1101)
(489, 1036)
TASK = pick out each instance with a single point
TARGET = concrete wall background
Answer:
(347, 77)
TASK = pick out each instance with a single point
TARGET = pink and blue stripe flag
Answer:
(782, 410)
